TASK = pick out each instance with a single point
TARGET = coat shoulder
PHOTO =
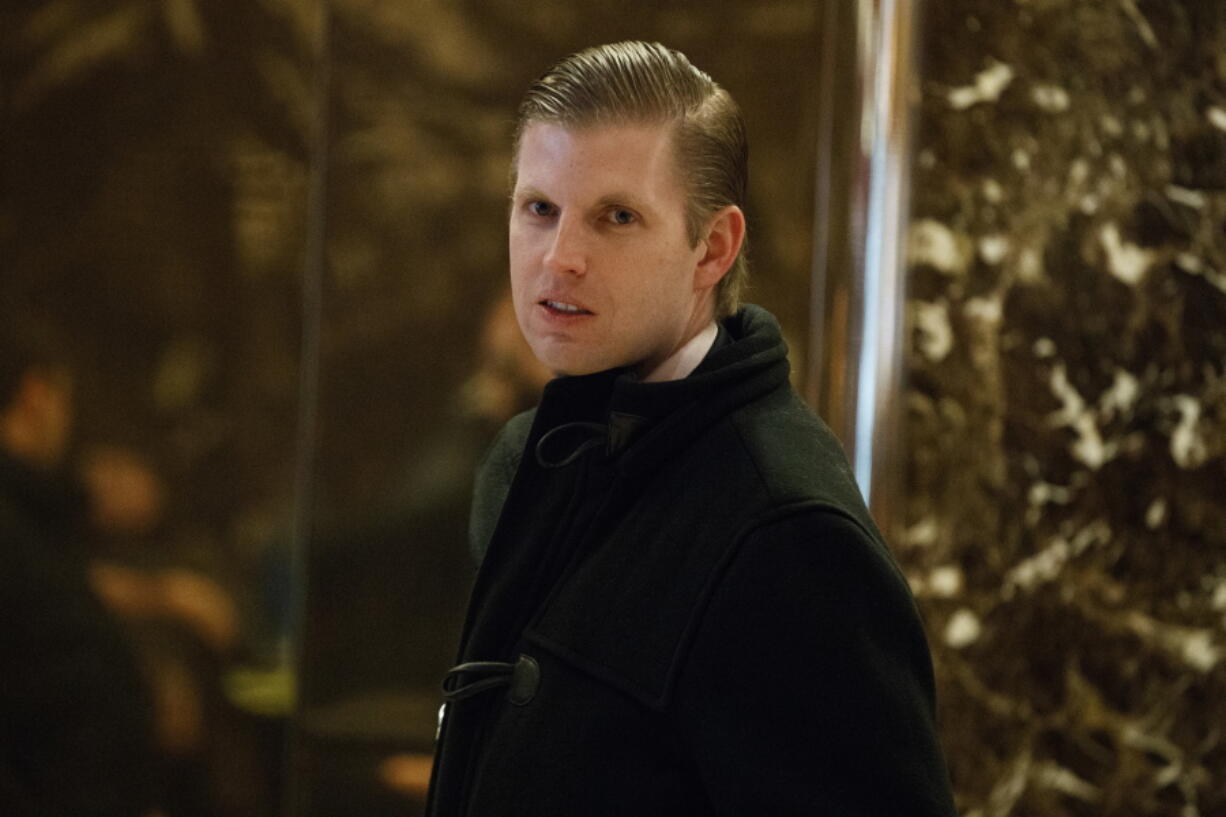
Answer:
(493, 480)
(796, 460)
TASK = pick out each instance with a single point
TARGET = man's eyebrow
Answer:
(623, 200)
(528, 193)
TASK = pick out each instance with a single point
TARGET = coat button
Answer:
(525, 680)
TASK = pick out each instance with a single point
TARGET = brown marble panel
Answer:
(1066, 531)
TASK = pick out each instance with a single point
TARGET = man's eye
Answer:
(620, 216)
(541, 208)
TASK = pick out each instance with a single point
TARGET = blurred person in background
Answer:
(184, 626)
(113, 702)
(76, 716)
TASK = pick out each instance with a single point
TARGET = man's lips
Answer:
(564, 308)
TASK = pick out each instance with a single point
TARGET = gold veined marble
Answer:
(1066, 531)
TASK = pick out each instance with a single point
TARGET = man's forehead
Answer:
(630, 156)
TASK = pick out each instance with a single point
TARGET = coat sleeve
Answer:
(808, 688)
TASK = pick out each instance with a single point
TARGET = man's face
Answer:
(602, 272)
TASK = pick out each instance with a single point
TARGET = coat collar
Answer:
(754, 363)
(646, 423)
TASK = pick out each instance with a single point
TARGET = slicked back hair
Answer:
(646, 83)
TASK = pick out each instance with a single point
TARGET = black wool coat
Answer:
(684, 608)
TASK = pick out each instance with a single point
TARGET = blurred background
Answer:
(258, 250)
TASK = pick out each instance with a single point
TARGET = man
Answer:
(683, 606)
(75, 716)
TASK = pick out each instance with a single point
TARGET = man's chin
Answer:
(563, 365)
(576, 370)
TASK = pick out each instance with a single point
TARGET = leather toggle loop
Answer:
(522, 678)
(584, 437)
(525, 681)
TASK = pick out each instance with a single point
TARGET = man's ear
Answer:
(725, 234)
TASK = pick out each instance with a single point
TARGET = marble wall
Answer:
(1066, 403)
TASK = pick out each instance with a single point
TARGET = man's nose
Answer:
(568, 251)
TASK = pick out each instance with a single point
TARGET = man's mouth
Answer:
(564, 308)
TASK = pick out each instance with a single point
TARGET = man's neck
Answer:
(687, 357)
